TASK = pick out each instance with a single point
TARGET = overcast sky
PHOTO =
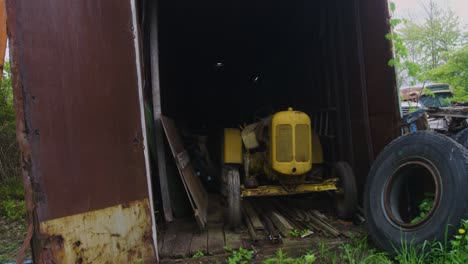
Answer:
(413, 8)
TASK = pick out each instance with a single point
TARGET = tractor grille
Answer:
(284, 143)
(302, 142)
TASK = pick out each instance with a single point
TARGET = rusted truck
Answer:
(85, 71)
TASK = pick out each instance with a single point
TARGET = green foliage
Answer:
(12, 204)
(430, 42)
(410, 253)
(404, 67)
(198, 254)
(298, 233)
(280, 258)
(308, 258)
(424, 207)
(356, 251)
(420, 47)
(241, 256)
(459, 250)
(455, 73)
(9, 153)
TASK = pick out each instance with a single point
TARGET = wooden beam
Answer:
(252, 215)
(156, 89)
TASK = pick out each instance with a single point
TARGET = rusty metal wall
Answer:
(79, 126)
(80, 99)
(382, 94)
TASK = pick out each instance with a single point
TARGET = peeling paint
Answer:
(119, 233)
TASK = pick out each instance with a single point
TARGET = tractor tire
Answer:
(409, 170)
(462, 137)
(233, 214)
(346, 199)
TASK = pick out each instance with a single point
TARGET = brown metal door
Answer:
(78, 96)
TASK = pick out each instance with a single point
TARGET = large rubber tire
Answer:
(462, 137)
(346, 200)
(233, 215)
(407, 167)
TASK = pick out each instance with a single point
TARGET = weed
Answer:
(459, 250)
(228, 247)
(424, 207)
(326, 254)
(410, 253)
(198, 254)
(308, 258)
(241, 256)
(279, 258)
(298, 233)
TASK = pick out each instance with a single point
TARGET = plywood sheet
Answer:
(195, 190)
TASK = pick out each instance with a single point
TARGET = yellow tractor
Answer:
(281, 155)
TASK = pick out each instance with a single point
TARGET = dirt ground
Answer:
(11, 239)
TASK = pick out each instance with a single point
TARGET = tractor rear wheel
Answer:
(346, 196)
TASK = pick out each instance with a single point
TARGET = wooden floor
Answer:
(180, 240)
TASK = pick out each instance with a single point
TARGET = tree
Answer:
(427, 44)
(405, 67)
(455, 73)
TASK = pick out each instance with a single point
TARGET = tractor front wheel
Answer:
(346, 197)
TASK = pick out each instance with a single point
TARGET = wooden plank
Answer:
(281, 223)
(233, 240)
(181, 244)
(250, 228)
(253, 216)
(199, 242)
(318, 220)
(215, 212)
(159, 137)
(215, 239)
(270, 228)
(276, 218)
(167, 246)
(192, 183)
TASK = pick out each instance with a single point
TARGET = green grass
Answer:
(359, 251)
(12, 204)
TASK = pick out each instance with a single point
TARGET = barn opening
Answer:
(223, 64)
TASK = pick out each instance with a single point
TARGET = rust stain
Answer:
(120, 233)
(21, 130)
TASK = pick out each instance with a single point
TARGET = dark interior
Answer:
(230, 59)
(225, 63)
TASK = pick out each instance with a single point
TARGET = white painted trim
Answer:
(136, 40)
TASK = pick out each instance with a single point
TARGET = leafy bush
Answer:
(241, 256)
(12, 204)
(13, 209)
(9, 152)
